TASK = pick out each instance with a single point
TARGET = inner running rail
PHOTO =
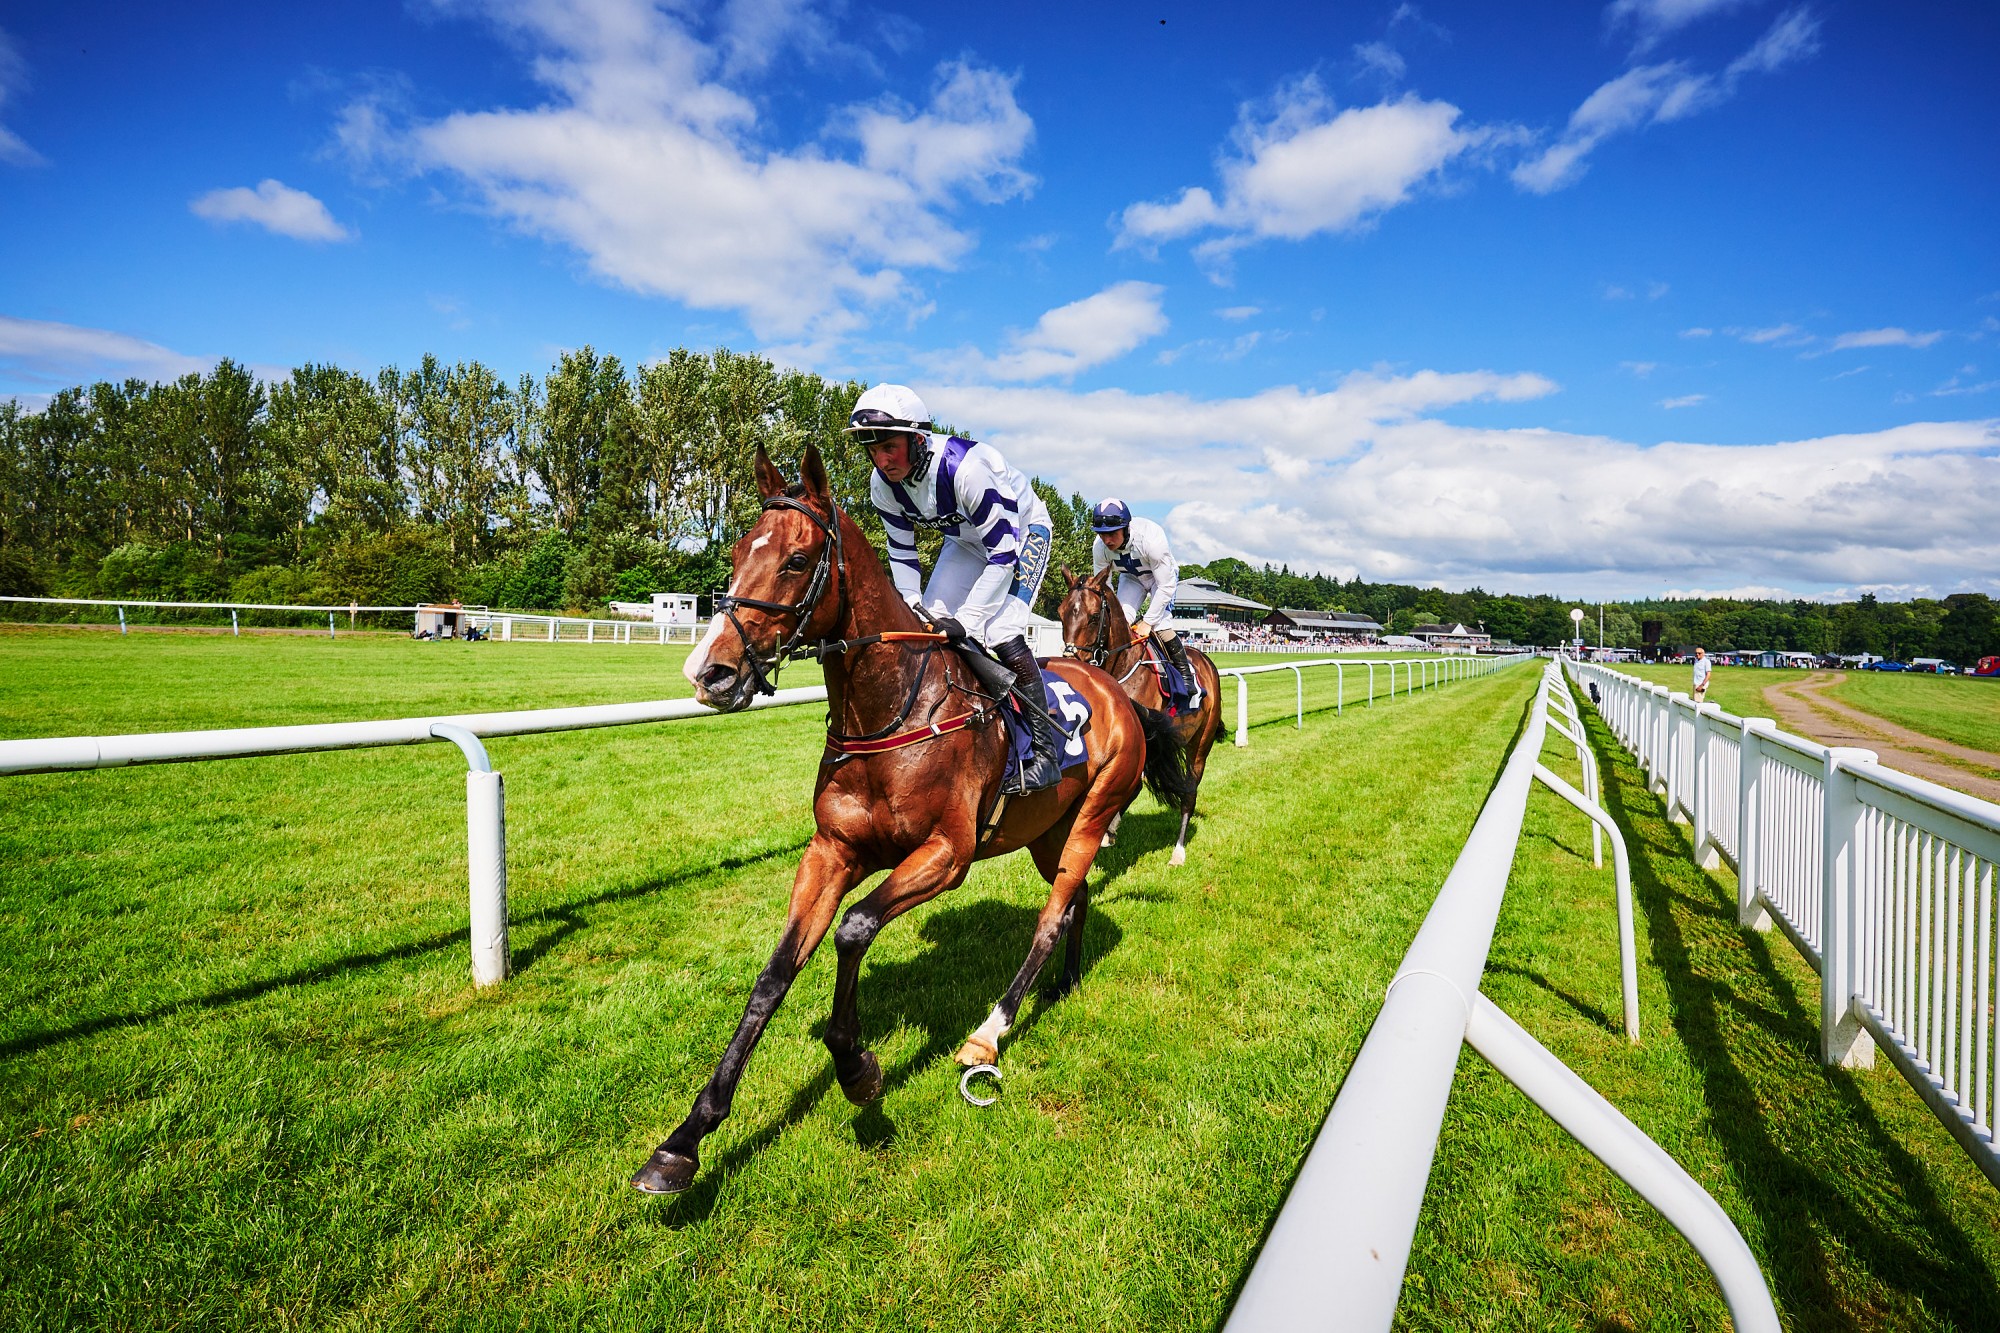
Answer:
(1337, 1253)
(1418, 673)
(485, 795)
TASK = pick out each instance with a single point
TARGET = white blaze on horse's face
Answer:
(697, 661)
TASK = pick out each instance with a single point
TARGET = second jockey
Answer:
(1146, 571)
(996, 545)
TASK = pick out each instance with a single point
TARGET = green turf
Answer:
(1738, 690)
(245, 1083)
(1960, 709)
(1952, 708)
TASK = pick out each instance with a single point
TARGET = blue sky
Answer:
(1662, 295)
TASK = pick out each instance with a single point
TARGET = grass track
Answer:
(244, 1081)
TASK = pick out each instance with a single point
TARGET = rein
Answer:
(831, 571)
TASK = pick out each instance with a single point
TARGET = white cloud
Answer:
(1238, 312)
(70, 353)
(1655, 18)
(1657, 94)
(1655, 290)
(274, 206)
(13, 79)
(1697, 333)
(1074, 337)
(1300, 168)
(1380, 58)
(1640, 368)
(1364, 479)
(1613, 292)
(1685, 400)
(655, 169)
(1886, 338)
(1778, 335)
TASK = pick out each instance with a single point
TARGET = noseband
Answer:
(832, 566)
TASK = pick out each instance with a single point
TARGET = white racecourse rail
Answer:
(498, 624)
(1418, 673)
(485, 796)
(1883, 881)
(1336, 1255)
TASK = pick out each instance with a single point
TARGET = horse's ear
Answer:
(812, 471)
(1069, 578)
(1101, 579)
(770, 481)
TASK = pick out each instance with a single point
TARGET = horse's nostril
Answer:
(718, 677)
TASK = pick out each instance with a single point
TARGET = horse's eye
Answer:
(797, 561)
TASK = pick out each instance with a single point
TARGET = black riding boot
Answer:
(1042, 769)
(1177, 654)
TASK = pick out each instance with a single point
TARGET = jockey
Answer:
(1146, 569)
(996, 544)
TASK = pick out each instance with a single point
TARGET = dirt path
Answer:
(1801, 707)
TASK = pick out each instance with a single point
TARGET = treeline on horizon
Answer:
(597, 482)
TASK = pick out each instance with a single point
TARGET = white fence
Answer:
(508, 625)
(1418, 673)
(1883, 881)
(1336, 1255)
(485, 795)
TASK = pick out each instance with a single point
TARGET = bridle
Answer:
(831, 569)
(1100, 650)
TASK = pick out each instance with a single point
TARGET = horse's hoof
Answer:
(1110, 840)
(665, 1173)
(867, 1085)
(1179, 858)
(977, 1051)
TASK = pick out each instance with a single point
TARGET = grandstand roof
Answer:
(1204, 593)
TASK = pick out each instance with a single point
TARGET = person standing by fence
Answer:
(1701, 670)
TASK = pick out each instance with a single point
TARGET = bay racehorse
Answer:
(909, 782)
(1095, 629)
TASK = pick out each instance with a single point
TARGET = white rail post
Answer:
(121, 621)
(1677, 757)
(1339, 688)
(234, 628)
(1843, 1038)
(590, 631)
(1750, 825)
(1299, 680)
(329, 624)
(1371, 684)
(485, 856)
(1242, 712)
(1705, 854)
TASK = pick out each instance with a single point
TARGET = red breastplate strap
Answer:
(902, 738)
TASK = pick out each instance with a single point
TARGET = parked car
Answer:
(1885, 665)
(1935, 666)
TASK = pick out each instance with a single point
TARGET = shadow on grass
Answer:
(1831, 1187)
(569, 918)
(944, 992)
(1582, 1006)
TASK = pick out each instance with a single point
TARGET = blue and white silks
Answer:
(996, 537)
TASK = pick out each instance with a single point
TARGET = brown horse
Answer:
(1095, 629)
(909, 783)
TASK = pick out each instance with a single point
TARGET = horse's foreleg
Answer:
(824, 876)
(935, 866)
(1078, 851)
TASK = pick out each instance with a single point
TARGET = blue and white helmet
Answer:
(1110, 516)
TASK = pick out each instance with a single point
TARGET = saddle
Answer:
(1068, 710)
(1183, 694)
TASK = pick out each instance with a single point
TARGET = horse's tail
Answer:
(1167, 775)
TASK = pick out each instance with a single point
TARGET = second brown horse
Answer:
(1095, 629)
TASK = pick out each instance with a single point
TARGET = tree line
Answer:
(597, 482)
(1961, 628)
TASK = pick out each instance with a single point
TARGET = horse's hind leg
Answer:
(824, 876)
(934, 867)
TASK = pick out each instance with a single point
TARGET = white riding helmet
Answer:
(893, 407)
